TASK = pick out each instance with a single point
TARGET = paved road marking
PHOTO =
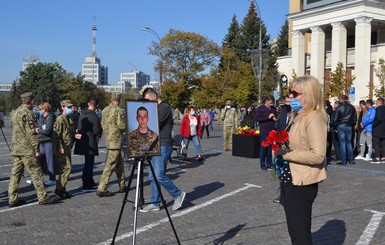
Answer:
(181, 213)
(11, 209)
(370, 230)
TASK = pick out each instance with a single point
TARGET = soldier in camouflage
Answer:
(63, 129)
(143, 141)
(229, 118)
(25, 151)
(113, 124)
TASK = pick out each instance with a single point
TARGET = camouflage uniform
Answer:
(139, 144)
(25, 145)
(63, 129)
(113, 124)
(229, 118)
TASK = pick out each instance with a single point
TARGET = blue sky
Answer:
(60, 31)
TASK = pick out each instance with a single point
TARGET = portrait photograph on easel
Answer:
(142, 128)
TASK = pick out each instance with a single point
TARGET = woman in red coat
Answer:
(191, 130)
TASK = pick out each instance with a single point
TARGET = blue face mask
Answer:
(295, 104)
(41, 113)
(68, 111)
(192, 113)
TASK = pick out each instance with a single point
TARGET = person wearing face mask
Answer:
(248, 118)
(45, 130)
(191, 131)
(205, 121)
(229, 118)
(63, 129)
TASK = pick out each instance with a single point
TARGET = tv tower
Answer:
(94, 38)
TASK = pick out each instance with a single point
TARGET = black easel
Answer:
(139, 200)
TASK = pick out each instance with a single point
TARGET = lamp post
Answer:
(259, 53)
(148, 29)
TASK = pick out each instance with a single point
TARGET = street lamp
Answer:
(260, 54)
(148, 29)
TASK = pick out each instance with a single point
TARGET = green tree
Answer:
(339, 82)
(380, 73)
(233, 37)
(49, 82)
(282, 47)
(250, 34)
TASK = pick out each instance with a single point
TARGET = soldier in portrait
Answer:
(63, 140)
(25, 151)
(113, 125)
(143, 141)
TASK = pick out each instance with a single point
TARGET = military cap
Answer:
(115, 96)
(228, 102)
(66, 103)
(26, 96)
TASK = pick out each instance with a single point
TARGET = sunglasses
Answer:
(295, 93)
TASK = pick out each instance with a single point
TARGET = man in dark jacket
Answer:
(159, 163)
(88, 133)
(344, 120)
(378, 131)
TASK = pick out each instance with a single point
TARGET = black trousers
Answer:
(298, 203)
(379, 146)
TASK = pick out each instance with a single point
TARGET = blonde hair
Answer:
(45, 106)
(312, 95)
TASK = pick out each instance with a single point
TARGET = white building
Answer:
(325, 32)
(29, 60)
(94, 72)
(137, 79)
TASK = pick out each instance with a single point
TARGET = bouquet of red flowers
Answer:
(277, 140)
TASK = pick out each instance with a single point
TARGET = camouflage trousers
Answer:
(34, 169)
(65, 165)
(228, 137)
(114, 163)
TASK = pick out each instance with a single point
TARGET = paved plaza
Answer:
(229, 201)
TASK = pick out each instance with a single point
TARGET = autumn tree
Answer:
(185, 55)
(380, 73)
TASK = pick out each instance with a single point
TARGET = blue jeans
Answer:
(265, 153)
(345, 133)
(196, 144)
(159, 164)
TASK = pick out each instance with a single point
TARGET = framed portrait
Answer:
(142, 128)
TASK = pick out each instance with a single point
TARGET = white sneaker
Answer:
(179, 201)
(359, 157)
(149, 207)
(50, 182)
(368, 158)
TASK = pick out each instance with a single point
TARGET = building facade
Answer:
(326, 32)
(94, 72)
(137, 79)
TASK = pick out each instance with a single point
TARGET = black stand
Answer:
(139, 200)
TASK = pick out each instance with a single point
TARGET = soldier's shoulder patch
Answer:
(31, 124)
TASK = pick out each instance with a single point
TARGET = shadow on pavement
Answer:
(333, 231)
(201, 191)
(231, 233)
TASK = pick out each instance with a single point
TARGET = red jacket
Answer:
(185, 127)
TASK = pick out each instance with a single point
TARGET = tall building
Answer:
(137, 79)
(29, 60)
(326, 32)
(92, 70)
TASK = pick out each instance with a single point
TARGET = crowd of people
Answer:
(43, 143)
(315, 128)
